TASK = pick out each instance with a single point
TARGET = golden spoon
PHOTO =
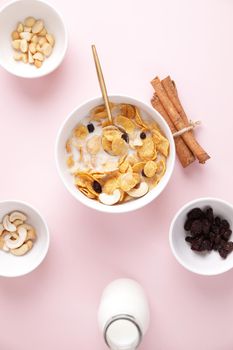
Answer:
(102, 83)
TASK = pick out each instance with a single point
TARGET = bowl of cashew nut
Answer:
(24, 238)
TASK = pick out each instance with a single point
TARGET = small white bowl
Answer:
(201, 263)
(17, 11)
(64, 133)
(14, 266)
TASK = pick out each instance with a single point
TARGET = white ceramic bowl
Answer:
(14, 266)
(201, 263)
(17, 11)
(65, 132)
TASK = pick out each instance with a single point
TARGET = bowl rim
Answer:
(178, 213)
(52, 7)
(116, 209)
(45, 251)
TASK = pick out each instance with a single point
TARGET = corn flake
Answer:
(119, 146)
(81, 132)
(147, 151)
(94, 144)
(127, 182)
(111, 185)
(128, 110)
(125, 123)
(70, 161)
(150, 168)
(138, 167)
(107, 145)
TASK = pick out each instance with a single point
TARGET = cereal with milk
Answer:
(115, 163)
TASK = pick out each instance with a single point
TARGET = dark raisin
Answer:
(215, 229)
(229, 247)
(226, 235)
(212, 236)
(222, 230)
(143, 135)
(217, 239)
(195, 246)
(217, 221)
(188, 224)
(206, 245)
(223, 253)
(225, 224)
(189, 239)
(195, 213)
(209, 214)
(90, 127)
(97, 187)
(196, 227)
(125, 137)
(143, 174)
(205, 226)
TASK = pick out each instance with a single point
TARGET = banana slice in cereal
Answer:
(110, 199)
(139, 191)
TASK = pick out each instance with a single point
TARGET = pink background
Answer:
(55, 307)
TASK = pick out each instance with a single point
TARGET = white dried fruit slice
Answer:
(17, 215)
(28, 29)
(7, 224)
(110, 199)
(46, 49)
(50, 39)
(26, 35)
(30, 58)
(29, 21)
(23, 45)
(16, 44)
(16, 243)
(139, 191)
(32, 48)
(37, 27)
(17, 56)
(20, 28)
(38, 56)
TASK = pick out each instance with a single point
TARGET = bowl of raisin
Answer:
(201, 236)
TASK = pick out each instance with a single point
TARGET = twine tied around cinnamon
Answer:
(191, 126)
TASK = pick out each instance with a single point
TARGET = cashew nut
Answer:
(7, 224)
(31, 234)
(16, 243)
(17, 222)
(17, 215)
(3, 242)
(110, 199)
(23, 249)
(1, 229)
(139, 191)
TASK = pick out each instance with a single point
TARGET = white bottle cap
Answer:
(122, 335)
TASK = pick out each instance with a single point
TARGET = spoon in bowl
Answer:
(102, 83)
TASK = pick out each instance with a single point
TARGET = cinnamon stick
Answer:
(184, 154)
(178, 122)
(170, 88)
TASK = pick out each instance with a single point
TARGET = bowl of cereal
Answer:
(33, 38)
(24, 238)
(115, 168)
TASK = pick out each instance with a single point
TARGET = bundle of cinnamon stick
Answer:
(166, 101)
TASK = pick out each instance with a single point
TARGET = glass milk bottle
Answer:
(123, 314)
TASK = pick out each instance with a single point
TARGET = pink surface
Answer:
(55, 307)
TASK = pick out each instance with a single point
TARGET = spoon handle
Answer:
(102, 83)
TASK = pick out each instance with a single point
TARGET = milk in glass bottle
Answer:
(123, 314)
